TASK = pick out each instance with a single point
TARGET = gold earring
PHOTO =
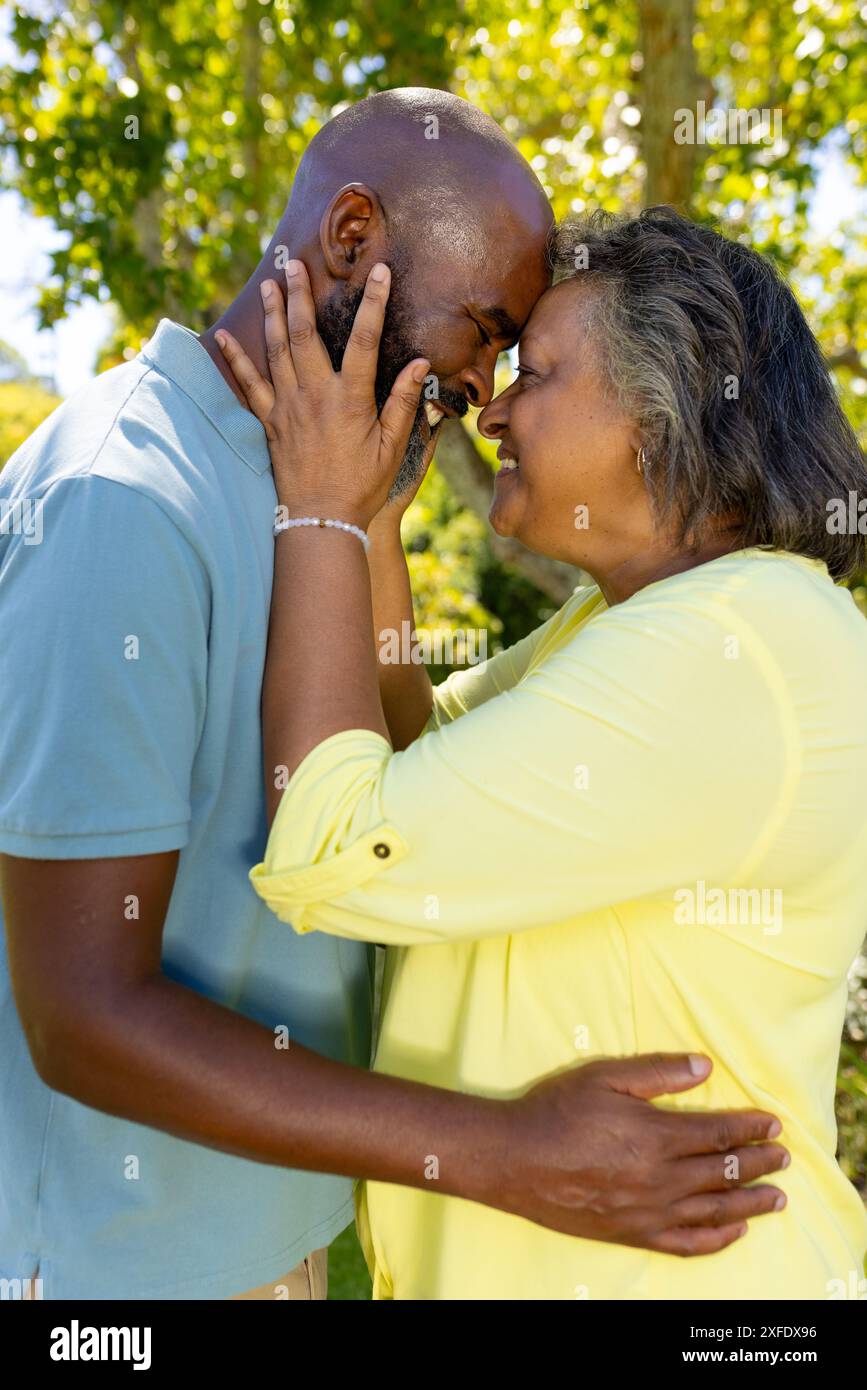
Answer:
(640, 459)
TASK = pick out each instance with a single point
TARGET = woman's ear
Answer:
(352, 231)
(635, 440)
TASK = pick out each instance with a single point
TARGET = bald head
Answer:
(420, 179)
(435, 161)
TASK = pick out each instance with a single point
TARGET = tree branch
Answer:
(850, 358)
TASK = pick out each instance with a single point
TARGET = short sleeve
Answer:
(647, 753)
(103, 681)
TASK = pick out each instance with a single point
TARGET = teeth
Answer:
(433, 413)
(508, 464)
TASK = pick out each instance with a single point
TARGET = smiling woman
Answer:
(556, 457)
(694, 409)
(668, 728)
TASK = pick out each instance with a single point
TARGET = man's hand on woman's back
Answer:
(584, 1152)
(592, 1157)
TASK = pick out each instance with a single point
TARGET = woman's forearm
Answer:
(404, 684)
(334, 456)
(321, 672)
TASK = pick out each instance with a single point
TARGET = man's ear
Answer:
(352, 228)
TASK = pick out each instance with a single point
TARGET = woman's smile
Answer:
(507, 468)
(508, 462)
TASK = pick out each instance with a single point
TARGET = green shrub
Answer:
(23, 406)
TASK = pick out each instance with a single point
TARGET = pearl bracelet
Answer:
(322, 521)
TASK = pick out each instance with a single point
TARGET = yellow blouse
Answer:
(643, 828)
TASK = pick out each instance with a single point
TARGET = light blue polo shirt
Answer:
(135, 578)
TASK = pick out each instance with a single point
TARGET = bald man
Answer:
(185, 1089)
(424, 181)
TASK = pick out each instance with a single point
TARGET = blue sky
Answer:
(67, 352)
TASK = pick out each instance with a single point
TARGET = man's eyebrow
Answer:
(506, 326)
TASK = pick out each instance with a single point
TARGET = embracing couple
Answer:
(210, 817)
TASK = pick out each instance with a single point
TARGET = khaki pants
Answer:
(309, 1279)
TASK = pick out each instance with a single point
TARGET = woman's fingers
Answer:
(258, 393)
(277, 338)
(398, 414)
(362, 351)
(360, 359)
(309, 358)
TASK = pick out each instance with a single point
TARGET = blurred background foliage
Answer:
(25, 400)
(163, 141)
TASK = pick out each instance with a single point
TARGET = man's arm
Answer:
(583, 1152)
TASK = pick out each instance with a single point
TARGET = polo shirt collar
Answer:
(176, 352)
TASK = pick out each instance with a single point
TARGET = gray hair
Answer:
(705, 344)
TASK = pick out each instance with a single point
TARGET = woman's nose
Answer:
(492, 421)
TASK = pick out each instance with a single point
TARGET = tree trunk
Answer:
(669, 82)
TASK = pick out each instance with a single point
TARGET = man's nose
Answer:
(478, 379)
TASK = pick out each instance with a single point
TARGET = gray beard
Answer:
(396, 348)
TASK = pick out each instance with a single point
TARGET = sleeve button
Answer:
(381, 851)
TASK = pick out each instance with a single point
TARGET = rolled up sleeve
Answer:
(634, 760)
(330, 834)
